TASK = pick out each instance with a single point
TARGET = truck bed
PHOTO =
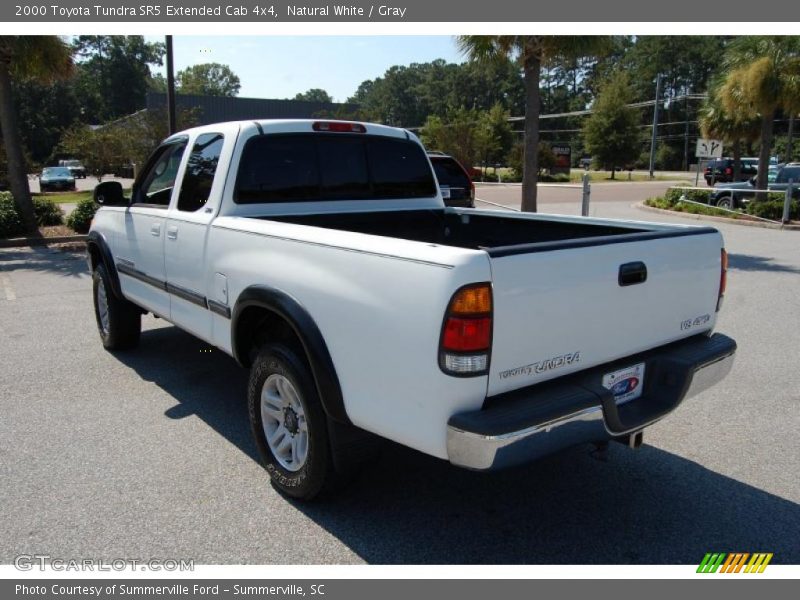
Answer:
(568, 292)
(499, 235)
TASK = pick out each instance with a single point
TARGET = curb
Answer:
(748, 223)
(42, 241)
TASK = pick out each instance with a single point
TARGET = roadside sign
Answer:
(563, 154)
(708, 148)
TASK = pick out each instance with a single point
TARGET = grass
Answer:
(690, 208)
(68, 197)
(65, 197)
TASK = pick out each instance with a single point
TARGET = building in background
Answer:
(216, 109)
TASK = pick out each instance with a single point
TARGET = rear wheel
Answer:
(119, 322)
(725, 202)
(288, 424)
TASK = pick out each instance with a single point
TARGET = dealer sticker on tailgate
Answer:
(626, 384)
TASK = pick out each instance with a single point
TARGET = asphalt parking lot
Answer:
(148, 453)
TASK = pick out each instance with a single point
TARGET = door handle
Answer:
(172, 233)
(632, 273)
(155, 229)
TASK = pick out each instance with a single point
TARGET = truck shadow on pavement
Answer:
(640, 507)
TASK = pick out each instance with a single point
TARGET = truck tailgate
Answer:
(563, 309)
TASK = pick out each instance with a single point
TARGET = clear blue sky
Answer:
(282, 66)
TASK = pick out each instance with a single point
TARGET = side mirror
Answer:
(109, 193)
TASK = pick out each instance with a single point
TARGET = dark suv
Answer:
(456, 185)
(720, 170)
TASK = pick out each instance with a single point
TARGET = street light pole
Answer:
(655, 127)
(170, 88)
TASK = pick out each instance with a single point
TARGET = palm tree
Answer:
(763, 78)
(532, 51)
(41, 57)
(732, 129)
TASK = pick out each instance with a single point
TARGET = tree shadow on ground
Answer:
(44, 259)
(747, 262)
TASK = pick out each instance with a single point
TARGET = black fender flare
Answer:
(306, 330)
(96, 240)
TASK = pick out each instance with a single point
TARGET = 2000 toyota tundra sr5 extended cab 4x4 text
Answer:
(320, 255)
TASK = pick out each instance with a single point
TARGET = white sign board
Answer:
(708, 149)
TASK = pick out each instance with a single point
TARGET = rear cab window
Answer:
(308, 167)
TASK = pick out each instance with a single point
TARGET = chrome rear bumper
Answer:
(536, 421)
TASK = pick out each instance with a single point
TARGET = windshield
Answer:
(56, 172)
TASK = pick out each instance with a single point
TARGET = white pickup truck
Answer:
(320, 255)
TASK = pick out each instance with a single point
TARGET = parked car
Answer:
(720, 170)
(54, 179)
(75, 167)
(737, 195)
(454, 181)
(321, 256)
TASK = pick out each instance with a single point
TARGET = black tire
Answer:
(124, 324)
(725, 202)
(317, 475)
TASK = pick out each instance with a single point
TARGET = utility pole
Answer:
(655, 127)
(170, 88)
(686, 131)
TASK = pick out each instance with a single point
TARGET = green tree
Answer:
(458, 135)
(611, 132)
(686, 65)
(113, 74)
(532, 52)
(121, 142)
(545, 159)
(763, 78)
(734, 129)
(44, 110)
(495, 136)
(315, 95)
(208, 79)
(44, 58)
(157, 83)
(406, 96)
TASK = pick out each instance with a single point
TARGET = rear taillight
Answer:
(467, 331)
(728, 171)
(339, 127)
(723, 277)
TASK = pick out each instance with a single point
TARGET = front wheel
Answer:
(119, 322)
(288, 424)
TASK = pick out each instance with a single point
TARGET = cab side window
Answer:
(157, 183)
(200, 170)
